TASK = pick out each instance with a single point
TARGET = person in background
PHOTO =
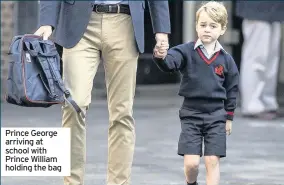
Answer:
(260, 58)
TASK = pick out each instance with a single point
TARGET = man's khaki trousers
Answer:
(112, 37)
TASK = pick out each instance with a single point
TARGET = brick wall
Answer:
(7, 28)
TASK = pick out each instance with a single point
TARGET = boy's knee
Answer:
(212, 161)
(191, 162)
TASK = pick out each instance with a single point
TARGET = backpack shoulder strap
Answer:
(47, 61)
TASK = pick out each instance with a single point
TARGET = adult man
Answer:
(260, 57)
(113, 30)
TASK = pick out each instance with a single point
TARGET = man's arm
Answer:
(159, 11)
(232, 87)
(49, 11)
(160, 16)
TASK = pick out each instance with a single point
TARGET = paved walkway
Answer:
(255, 149)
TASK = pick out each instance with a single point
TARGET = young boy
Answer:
(209, 86)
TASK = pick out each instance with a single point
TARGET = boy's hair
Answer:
(216, 11)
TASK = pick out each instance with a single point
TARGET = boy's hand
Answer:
(161, 51)
(228, 127)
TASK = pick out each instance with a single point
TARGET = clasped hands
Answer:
(162, 45)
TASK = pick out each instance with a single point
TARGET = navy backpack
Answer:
(34, 78)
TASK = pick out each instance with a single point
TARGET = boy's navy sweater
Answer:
(204, 79)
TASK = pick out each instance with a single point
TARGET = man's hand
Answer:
(44, 31)
(161, 37)
(228, 127)
(162, 45)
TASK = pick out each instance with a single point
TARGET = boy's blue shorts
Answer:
(196, 127)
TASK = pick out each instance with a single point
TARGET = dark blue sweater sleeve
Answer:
(232, 87)
(174, 61)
